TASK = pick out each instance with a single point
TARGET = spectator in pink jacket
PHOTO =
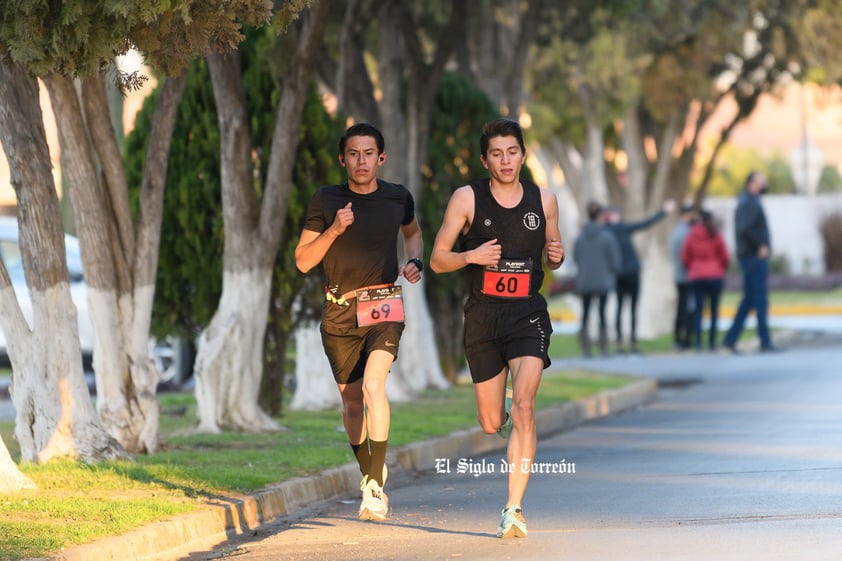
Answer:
(706, 258)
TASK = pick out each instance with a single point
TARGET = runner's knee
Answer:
(353, 408)
(523, 411)
(490, 423)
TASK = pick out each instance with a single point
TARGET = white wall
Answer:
(794, 222)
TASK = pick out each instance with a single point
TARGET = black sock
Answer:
(363, 456)
(378, 459)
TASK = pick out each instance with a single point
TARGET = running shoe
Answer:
(506, 429)
(512, 524)
(375, 504)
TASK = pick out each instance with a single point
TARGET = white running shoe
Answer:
(363, 483)
(375, 503)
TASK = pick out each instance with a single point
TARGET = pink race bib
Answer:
(376, 305)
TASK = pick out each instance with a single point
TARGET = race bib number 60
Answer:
(509, 279)
(376, 305)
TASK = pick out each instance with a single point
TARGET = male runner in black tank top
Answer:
(352, 230)
(509, 227)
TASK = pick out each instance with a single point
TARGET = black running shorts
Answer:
(347, 348)
(495, 333)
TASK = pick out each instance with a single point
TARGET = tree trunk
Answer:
(570, 215)
(658, 297)
(656, 310)
(315, 388)
(406, 119)
(514, 82)
(144, 376)
(11, 478)
(119, 269)
(93, 229)
(55, 415)
(354, 90)
(418, 358)
(593, 165)
(495, 45)
(229, 360)
(634, 206)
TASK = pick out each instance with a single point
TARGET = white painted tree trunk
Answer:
(119, 257)
(315, 388)
(229, 361)
(128, 407)
(418, 358)
(656, 310)
(61, 422)
(55, 417)
(11, 478)
(144, 374)
(229, 358)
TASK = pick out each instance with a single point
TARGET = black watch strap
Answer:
(418, 263)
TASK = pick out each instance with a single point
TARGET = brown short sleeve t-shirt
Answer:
(366, 253)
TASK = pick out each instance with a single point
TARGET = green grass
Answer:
(78, 503)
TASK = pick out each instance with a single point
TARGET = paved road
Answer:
(739, 459)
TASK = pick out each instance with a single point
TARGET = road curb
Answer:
(226, 518)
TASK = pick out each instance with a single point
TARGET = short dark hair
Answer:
(500, 127)
(750, 177)
(594, 209)
(363, 129)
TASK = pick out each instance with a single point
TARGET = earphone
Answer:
(381, 159)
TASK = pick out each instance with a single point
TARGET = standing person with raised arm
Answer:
(352, 230)
(628, 278)
(509, 229)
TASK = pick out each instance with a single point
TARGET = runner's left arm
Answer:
(414, 245)
(554, 248)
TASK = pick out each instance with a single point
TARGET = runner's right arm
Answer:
(457, 217)
(312, 246)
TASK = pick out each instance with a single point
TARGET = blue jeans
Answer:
(709, 289)
(755, 275)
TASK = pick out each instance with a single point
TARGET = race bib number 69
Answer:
(509, 279)
(376, 305)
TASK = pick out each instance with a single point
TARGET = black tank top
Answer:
(521, 231)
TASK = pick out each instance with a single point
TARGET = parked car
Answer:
(166, 353)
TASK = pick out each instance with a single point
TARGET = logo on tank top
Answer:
(487, 222)
(531, 221)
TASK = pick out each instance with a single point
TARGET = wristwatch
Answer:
(417, 262)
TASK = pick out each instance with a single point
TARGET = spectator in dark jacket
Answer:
(628, 279)
(706, 259)
(753, 250)
(597, 257)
